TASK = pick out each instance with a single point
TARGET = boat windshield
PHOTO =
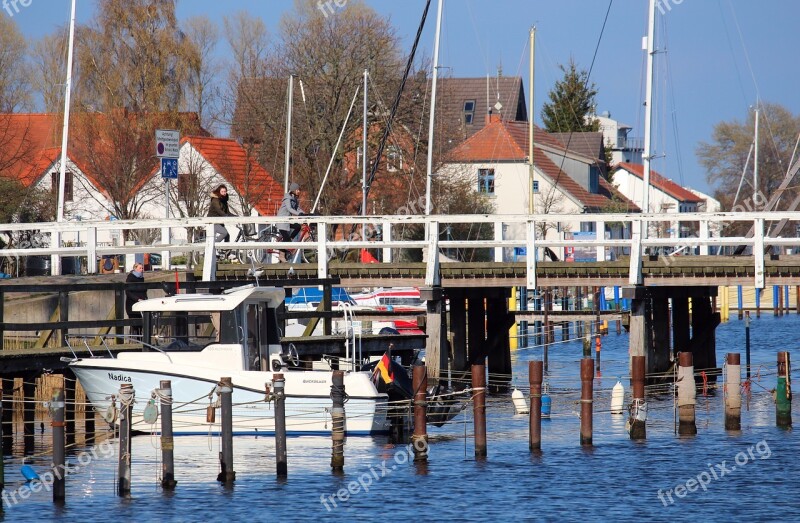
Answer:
(195, 330)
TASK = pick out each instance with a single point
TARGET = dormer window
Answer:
(469, 112)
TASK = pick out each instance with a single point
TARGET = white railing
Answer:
(527, 224)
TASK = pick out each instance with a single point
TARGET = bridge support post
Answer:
(458, 330)
(436, 329)
(498, 323)
(476, 328)
(659, 358)
(639, 324)
(704, 323)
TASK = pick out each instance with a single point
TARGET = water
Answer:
(617, 479)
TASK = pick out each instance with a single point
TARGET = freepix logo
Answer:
(665, 6)
(12, 7)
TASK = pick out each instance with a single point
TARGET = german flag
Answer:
(384, 370)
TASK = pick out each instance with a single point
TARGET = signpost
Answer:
(168, 147)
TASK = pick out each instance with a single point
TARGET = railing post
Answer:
(210, 259)
(432, 276)
(600, 236)
(704, 237)
(165, 239)
(530, 255)
(635, 271)
(758, 251)
(387, 237)
(91, 250)
(498, 236)
(322, 250)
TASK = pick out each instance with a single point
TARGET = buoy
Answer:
(150, 412)
(546, 403)
(29, 473)
(618, 398)
(518, 398)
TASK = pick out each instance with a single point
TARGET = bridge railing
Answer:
(499, 233)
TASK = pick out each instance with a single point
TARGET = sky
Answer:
(716, 57)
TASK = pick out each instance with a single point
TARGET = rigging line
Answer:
(674, 114)
(484, 55)
(744, 49)
(733, 54)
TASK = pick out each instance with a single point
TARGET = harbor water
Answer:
(750, 475)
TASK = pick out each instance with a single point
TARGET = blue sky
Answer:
(721, 54)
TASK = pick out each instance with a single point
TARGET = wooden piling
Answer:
(479, 408)
(687, 393)
(29, 413)
(279, 388)
(126, 395)
(57, 407)
(535, 375)
(598, 345)
(420, 436)
(167, 442)
(747, 343)
(733, 392)
(740, 302)
(337, 421)
(783, 392)
(587, 377)
(227, 474)
(638, 411)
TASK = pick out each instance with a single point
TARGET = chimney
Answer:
(491, 117)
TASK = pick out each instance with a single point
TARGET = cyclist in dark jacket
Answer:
(219, 207)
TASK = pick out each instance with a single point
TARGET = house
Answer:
(564, 181)
(616, 135)
(666, 196)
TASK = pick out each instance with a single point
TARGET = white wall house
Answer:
(624, 148)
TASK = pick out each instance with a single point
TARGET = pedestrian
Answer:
(219, 208)
(135, 293)
(290, 206)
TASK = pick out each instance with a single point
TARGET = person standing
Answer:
(290, 206)
(135, 293)
(219, 208)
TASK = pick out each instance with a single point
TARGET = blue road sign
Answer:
(169, 168)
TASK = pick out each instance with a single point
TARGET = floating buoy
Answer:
(29, 473)
(618, 398)
(518, 398)
(546, 404)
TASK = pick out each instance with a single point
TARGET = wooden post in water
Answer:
(783, 392)
(687, 393)
(638, 411)
(337, 421)
(279, 387)
(57, 406)
(167, 442)
(420, 387)
(227, 474)
(740, 301)
(479, 408)
(747, 343)
(587, 376)
(535, 375)
(126, 396)
(733, 392)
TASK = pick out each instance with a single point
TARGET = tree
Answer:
(572, 102)
(49, 67)
(725, 157)
(14, 73)
(203, 91)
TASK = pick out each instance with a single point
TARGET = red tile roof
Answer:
(660, 182)
(245, 174)
(504, 141)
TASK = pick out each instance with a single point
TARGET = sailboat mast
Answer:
(65, 134)
(429, 170)
(364, 150)
(756, 198)
(648, 113)
(531, 172)
(288, 153)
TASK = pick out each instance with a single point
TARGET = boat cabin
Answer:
(244, 316)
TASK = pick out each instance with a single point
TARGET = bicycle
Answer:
(247, 234)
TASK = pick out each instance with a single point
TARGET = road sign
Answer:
(168, 143)
(169, 168)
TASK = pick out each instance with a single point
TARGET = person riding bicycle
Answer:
(290, 206)
(219, 208)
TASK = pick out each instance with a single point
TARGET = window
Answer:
(67, 185)
(486, 181)
(535, 186)
(594, 180)
(588, 226)
(469, 112)
(394, 159)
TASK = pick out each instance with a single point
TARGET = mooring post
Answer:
(337, 421)
(587, 340)
(758, 302)
(733, 391)
(479, 408)
(167, 442)
(535, 375)
(226, 475)
(747, 343)
(587, 377)
(126, 396)
(638, 410)
(687, 393)
(57, 407)
(420, 436)
(783, 392)
(279, 387)
(740, 301)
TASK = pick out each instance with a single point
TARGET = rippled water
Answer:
(616, 479)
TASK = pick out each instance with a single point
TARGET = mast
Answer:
(531, 171)
(287, 160)
(756, 198)
(433, 110)
(648, 114)
(364, 151)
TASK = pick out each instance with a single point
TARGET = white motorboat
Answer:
(196, 339)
